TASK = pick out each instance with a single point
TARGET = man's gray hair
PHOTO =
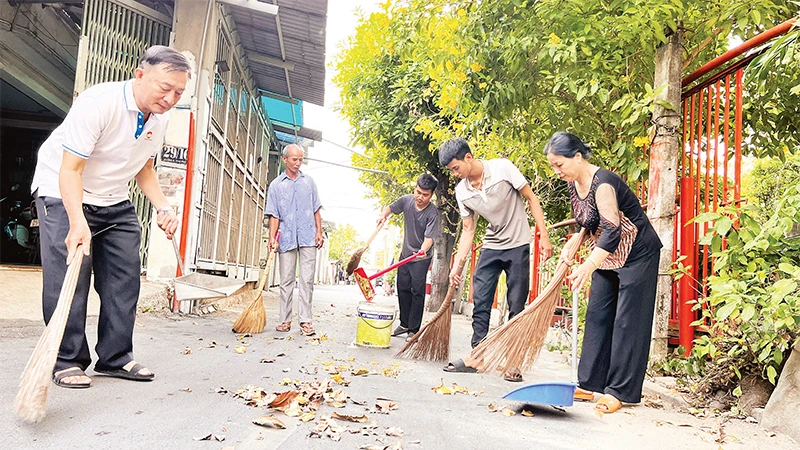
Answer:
(285, 151)
(173, 60)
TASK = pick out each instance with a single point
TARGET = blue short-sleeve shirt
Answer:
(293, 203)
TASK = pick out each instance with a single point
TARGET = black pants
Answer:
(411, 293)
(515, 262)
(115, 261)
(619, 321)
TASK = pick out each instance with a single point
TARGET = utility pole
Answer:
(663, 176)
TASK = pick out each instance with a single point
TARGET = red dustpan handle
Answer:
(397, 264)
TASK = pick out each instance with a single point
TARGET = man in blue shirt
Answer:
(293, 206)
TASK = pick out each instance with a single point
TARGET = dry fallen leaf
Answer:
(211, 436)
(267, 360)
(221, 390)
(269, 422)
(508, 413)
(308, 417)
(283, 399)
(187, 351)
(384, 406)
(359, 372)
(348, 418)
(396, 446)
(394, 431)
(280, 355)
(442, 389)
(492, 407)
(240, 349)
(187, 389)
(527, 413)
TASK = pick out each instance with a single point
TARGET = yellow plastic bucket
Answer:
(374, 325)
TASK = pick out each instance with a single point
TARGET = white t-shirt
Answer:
(105, 127)
(499, 202)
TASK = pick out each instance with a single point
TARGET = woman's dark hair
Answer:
(427, 182)
(567, 145)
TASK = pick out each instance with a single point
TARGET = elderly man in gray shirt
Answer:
(496, 190)
(293, 206)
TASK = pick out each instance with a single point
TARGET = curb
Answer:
(669, 397)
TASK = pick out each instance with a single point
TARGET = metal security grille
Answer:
(114, 35)
(236, 168)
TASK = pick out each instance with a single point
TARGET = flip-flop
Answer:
(58, 378)
(284, 327)
(458, 366)
(608, 404)
(132, 374)
(582, 395)
(514, 377)
(306, 329)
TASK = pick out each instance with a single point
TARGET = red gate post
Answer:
(686, 287)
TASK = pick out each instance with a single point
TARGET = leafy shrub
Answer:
(753, 304)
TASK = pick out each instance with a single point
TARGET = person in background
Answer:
(111, 135)
(293, 206)
(623, 268)
(496, 190)
(421, 221)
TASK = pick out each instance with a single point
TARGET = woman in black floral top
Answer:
(623, 267)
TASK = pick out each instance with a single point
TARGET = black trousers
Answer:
(515, 262)
(619, 321)
(411, 293)
(114, 258)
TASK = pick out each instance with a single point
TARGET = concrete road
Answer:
(193, 357)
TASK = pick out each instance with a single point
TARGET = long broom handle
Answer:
(374, 233)
(575, 336)
(262, 280)
(178, 255)
(402, 262)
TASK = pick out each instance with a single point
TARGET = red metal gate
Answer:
(710, 168)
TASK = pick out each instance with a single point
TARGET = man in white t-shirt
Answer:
(496, 190)
(111, 135)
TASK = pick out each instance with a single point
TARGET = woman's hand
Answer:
(581, 275)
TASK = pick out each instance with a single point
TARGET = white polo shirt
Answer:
(105, 127)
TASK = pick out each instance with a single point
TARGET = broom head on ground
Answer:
(432, 341)
(254, 318)
(517, 343)
(355, 260)
(31, 401)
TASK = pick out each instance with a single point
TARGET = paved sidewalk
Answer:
(194, 357)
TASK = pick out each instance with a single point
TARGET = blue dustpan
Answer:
(555, 393)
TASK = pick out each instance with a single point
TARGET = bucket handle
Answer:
(373, 326)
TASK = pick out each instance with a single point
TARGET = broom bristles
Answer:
(432, 341)
(355, 260)
(518, 342)
(31, 400)
(253, 319)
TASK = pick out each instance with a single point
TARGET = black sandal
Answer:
(459, 366)
(132, 374)
(58, 378)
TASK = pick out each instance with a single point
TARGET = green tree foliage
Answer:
(344, 241)
(769, 180)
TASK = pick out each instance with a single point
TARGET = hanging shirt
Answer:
(499, 202)
(293, 203)
(105, 127)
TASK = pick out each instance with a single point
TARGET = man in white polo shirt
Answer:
(496, 190)
(111, 135)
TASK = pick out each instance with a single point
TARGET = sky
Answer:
(343, 197)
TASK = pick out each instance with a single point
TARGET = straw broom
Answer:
(31, 401)
(517, 343)
(432, 341)
(254, 318)
(355, 260)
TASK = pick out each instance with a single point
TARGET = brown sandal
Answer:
(284, 327)
(582, 395)
(307, 329)
(608, 404)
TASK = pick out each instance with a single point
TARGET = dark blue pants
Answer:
(619, 321)
(515, 262)
(114, 258)
(411, 293)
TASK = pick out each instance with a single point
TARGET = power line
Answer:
(345, 148)
(363, 169)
